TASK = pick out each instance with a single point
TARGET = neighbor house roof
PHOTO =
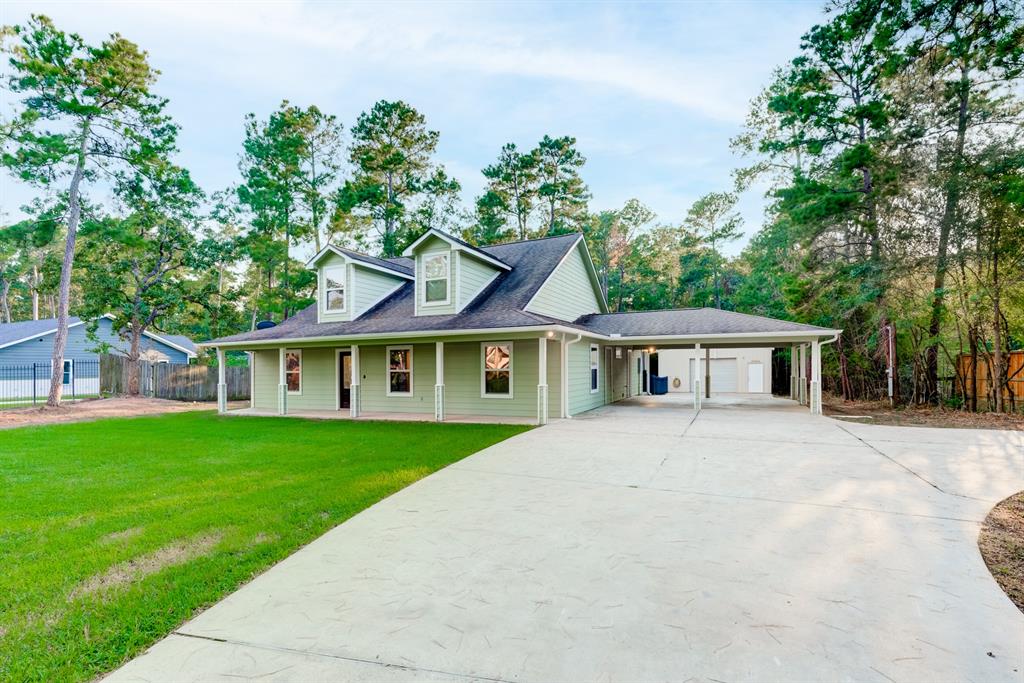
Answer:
(501, 304)
(22, 331)
(688, 321)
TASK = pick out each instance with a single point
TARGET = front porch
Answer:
(381, 416)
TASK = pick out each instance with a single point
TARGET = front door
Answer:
(345, 379)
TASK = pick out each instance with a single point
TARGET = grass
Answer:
(114, 532)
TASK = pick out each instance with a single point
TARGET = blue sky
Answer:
(652, 91)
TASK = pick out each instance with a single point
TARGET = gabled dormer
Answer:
(350, 283)
(572, 289)
(450, 273)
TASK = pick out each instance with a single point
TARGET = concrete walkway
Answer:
(641, 542)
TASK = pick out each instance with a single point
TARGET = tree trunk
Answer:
(60, 337)
(972, 341)
(945, 227)
(35, 291)
(997, 320)
(134, 352)
(5, 290)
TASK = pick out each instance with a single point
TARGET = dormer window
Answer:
(436, 272)
(334, 289)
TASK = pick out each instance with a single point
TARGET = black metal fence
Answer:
(27, 385)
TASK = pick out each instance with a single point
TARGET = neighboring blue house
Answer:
(27, 347)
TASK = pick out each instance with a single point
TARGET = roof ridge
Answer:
(533, 239)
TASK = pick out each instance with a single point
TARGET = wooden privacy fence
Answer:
(173, 381)
(1013, 392)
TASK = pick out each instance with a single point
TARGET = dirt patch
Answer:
(879, 413)
(98, 409)
(122, 535)
(139, 568)
(1002, 545)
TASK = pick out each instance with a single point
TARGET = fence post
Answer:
(33, 384)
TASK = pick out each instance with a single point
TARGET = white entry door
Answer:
(755, 377)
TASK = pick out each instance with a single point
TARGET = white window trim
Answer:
(447, 278)
(299, 352)
(66, 360)
(344, 290)
(387, 370)
(594, 366)
(483, 369)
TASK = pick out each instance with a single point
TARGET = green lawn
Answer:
(114, 532)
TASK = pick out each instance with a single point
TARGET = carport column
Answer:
(542, 381)
(802, 376)
(793, 363)
(282, 385)
(353, 387)
(439, 381)
(707, 372)
(816, 378)
(696, 380)
(222, 385)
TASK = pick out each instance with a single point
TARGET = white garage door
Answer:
(723, 374)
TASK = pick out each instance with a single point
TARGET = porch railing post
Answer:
(542, 381)
(696, 380)
(222, 385)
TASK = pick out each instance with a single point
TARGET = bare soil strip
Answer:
(1002, 545)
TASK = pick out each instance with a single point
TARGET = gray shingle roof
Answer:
(499, 305)
(399, 265)
(179, 340)
(12, 332)
(686, 321)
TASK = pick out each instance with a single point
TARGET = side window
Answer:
(595, 359)
(497, 370)
(293, 371)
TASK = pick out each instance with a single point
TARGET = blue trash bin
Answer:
(659, 385)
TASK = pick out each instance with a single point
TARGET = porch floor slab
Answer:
(382, 416)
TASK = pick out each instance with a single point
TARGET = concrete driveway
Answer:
(641, 542)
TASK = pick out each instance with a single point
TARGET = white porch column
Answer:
(222, 385)
(282, 385)
(816, 378)
(353, 387)
(802, 376)
(542, 381)
(439, 381)
(793, 363)
(696, 380)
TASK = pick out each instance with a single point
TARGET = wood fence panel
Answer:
(1015, 371)
(172, 381)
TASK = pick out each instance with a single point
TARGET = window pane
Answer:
(346, 371)
(399, 359)
(437, 267)
(292, 380)
(334, 279)
(400, 382)
(437, 290)
(335, 300)
(496, 358)
(593, 378)
(496, 382)
(593, 355)
(291, 362)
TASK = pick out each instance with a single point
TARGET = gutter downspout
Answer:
(565, 372)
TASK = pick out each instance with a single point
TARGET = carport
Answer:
(642, 333)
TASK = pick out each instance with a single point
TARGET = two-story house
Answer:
(450, 331)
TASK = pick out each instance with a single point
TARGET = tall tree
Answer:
(970, 54)
(392, 152)
(560, 187)
(511, 193)
(715, 221)
(139, 266)
(87, 112)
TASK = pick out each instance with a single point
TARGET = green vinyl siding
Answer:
(463, 368)
(580, 397)
(429, 248)
(318, 377)
(569, 292)
(474, 275)
(329, 261)
(369, 287)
